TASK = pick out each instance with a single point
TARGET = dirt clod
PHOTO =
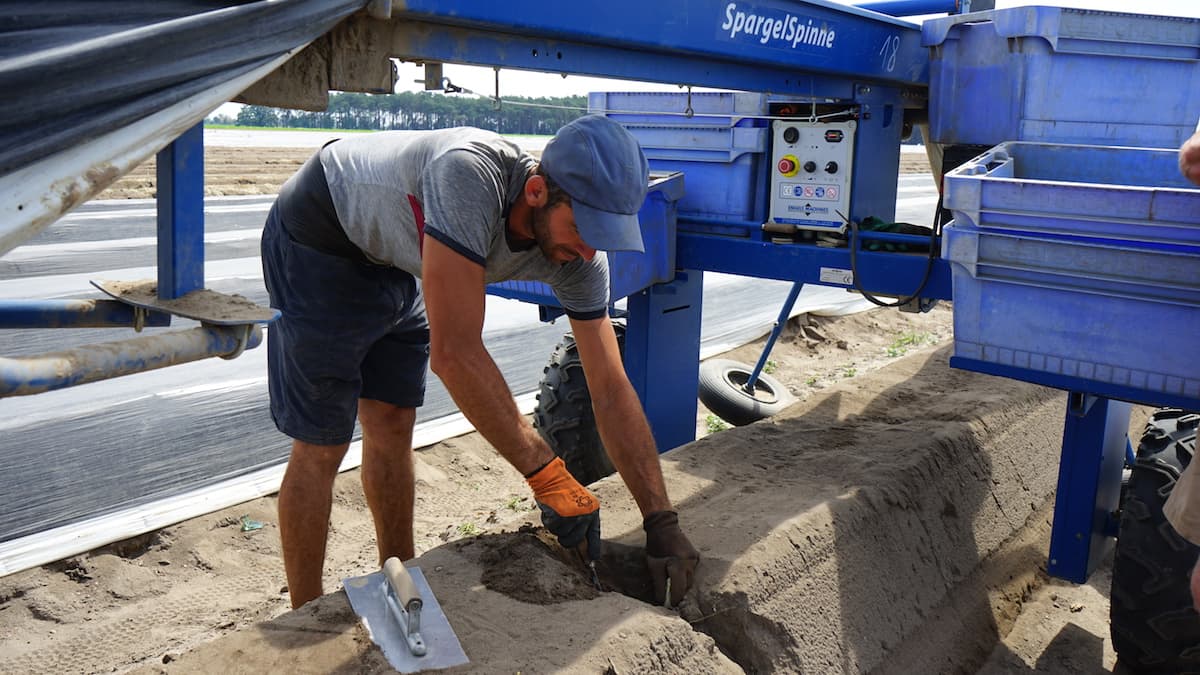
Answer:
(528, 565)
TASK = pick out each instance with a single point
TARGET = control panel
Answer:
(811, 166)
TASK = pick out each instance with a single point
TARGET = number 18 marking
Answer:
(891, 47)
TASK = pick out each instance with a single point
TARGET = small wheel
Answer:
(723, 391)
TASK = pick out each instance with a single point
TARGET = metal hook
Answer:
(688, 112)
(812, 97)
(243, 340)
(496, 98)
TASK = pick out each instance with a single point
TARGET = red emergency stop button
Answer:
(788, 165)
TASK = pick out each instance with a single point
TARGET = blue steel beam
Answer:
(36, 374)
(1119, 392)
(180, 168)
(662, 355)
(769, 45)
(911, 7)
(883, 273)
(1089, 485)
(74, 314)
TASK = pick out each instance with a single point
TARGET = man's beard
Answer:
(541, 231)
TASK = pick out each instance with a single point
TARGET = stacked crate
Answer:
(1075, 245)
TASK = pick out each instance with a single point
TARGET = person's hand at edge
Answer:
(671, 558)
(569, 510)
(1189, 158)
(1195, 584)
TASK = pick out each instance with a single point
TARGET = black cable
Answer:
(934, 232)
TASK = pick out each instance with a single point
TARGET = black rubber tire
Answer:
(1154, 627)
(721, 391)
(563, 415)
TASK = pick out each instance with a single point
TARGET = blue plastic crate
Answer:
(1067, 277)
(629, 271)
(1052, 74)
(721, 147)
(710, 108)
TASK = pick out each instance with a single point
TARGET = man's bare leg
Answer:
(387, 474)
(305, 497)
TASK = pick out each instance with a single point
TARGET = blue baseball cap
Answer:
(603, 169)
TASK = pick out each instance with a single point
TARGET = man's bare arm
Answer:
(670, 557)
(619, 415)
(454, 302)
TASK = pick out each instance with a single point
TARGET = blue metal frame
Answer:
(684, 41)
(1079, 384)
(911, 7)
(1089, 485)
(662, 355)
(180, 169)
(883, 273)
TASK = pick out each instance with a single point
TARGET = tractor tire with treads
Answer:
(564, 417)
(1154, 627)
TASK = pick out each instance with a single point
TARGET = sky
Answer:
(526, 83)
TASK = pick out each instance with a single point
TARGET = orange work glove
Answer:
(569, 510)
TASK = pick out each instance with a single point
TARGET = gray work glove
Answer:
(670, 556)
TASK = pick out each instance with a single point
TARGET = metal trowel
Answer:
(403, 617)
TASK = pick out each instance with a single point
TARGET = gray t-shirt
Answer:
(392, 189)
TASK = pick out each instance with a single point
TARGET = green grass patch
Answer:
(713, 424)
(515, 503)
(906, 341)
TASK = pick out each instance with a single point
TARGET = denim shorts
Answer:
(348, 330)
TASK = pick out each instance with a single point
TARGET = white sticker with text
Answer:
(835, 275)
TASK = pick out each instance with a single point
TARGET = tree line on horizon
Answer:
(420, 110)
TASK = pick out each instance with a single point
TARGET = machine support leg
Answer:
(181, 215)
(1089, 484)
(662, 355)
(780, 322)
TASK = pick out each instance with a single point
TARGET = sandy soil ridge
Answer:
(152, 598)
(833, 536)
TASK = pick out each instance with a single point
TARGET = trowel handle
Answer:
(401, 581)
